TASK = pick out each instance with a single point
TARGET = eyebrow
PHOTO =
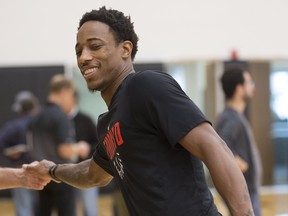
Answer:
(88, 40)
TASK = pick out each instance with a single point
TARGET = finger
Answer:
(45, 181)
(37, 187)
(37, 183)
(30, 166)
(34, 163)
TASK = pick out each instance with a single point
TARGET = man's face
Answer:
(67, 101)
(98, 56)
(249, 86)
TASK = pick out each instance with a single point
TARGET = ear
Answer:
(239, 89)
(127, 48)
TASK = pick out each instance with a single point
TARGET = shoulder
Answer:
(54, 111)
(228, 119)
(150, 76)
(13, 125)
(49, 114)
(81, 116)
(151, 83)
(228, 115)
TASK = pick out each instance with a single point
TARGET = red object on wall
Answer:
(234, 55)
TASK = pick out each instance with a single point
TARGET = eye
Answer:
(95, 46)
(78, 53)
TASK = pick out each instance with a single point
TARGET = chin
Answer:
(92, 88)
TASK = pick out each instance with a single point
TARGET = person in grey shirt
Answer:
(234, 128)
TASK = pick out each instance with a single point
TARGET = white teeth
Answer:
(89, 70)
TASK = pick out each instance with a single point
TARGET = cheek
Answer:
(78, 64)
(250, 92)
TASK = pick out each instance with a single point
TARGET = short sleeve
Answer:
(100, 157)
(158, 98)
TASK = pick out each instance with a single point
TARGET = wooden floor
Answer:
(274, 201)
(105, 207)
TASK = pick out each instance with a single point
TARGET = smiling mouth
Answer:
(89, 71)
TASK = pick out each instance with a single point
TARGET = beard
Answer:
(247, 98)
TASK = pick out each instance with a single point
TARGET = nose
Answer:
(252, 84)
(85, 56)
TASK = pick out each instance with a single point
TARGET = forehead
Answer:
(93, 30)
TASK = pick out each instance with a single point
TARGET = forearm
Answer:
(81, 175)
(230, 183)
(10, 178)
(74, 174)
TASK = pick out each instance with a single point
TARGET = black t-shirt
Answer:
(138, 145)
(85, 130)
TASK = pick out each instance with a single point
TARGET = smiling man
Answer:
(153, 139)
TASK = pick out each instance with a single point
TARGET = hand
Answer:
(83, 149)
(30, 179)
(39, 169)
(242, 163)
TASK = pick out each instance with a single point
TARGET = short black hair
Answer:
(121, 25)
(230, 79)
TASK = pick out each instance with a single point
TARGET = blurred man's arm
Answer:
(204, 143)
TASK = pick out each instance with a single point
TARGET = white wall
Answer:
(43, 32)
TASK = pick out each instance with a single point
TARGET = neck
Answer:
(53, 99)
(238, 105)
(108, 93)
(73, 112)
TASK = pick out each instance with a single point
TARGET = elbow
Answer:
(104, 183)
(99, 180)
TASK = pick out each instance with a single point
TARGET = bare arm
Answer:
(82, 175)
(204, 143)
(18, 177)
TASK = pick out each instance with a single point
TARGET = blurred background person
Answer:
(84, 132)
(13, 145)
(50, 138)
(234, 128)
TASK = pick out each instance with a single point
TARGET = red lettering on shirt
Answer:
(113, 139)
(117, 134)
